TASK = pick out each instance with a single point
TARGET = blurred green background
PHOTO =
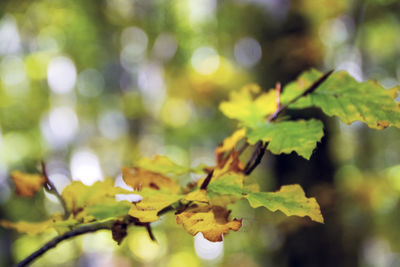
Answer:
(92, 85)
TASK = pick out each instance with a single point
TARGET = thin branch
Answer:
(207, 180)
(55, 241)
(256, 158)
(150, 232)
(49, 187)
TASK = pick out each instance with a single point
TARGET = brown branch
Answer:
(55, 241)
(255, 158)
(150, 232)
(50, 188)
(207, 180)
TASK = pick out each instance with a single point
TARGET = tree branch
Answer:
(55, 241)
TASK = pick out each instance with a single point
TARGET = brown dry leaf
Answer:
(231, 163)
(27, 184)
(212, 221)
(139, 178)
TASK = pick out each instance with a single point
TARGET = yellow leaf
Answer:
(212, 221)
(231, 141)
(138, 178)
(198, 196)
(153, 201)
(243, 107)
(78, 196)
(33, 228)
(27, 184)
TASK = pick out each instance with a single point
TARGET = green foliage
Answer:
(287, 136)
(341, 95)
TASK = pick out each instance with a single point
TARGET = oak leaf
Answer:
(212, 221)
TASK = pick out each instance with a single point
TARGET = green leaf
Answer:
(228, 184)
(109, 208)
(290, 199)
(341, 95)
(287, 136)
(246, 108)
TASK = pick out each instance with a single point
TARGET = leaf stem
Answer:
(50, 188)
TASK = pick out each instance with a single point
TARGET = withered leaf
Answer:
(212, 221)
(27, 184)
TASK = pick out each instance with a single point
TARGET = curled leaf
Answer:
(212, 221)
(27, 184)
(138, 179)
(290, 199)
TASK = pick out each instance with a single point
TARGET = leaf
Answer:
(199, 195)
(78, 196)
(229, 184)
(138, 179)
(290, 199)
(212, 221)
(33, 228)
(248, 110)
(153, 202)
(230, 164)
(108, 208)
(161, 164)
(27, 184)
(341, 95)
(231, 141)
(287, 136)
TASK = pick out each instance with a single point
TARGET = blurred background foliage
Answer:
(90, 86)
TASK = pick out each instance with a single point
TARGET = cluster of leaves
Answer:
(202, 206)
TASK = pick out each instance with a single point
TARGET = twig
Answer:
(150, 232)
(255, 158)
(207, 180)
(49, 187)
(55, 241)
